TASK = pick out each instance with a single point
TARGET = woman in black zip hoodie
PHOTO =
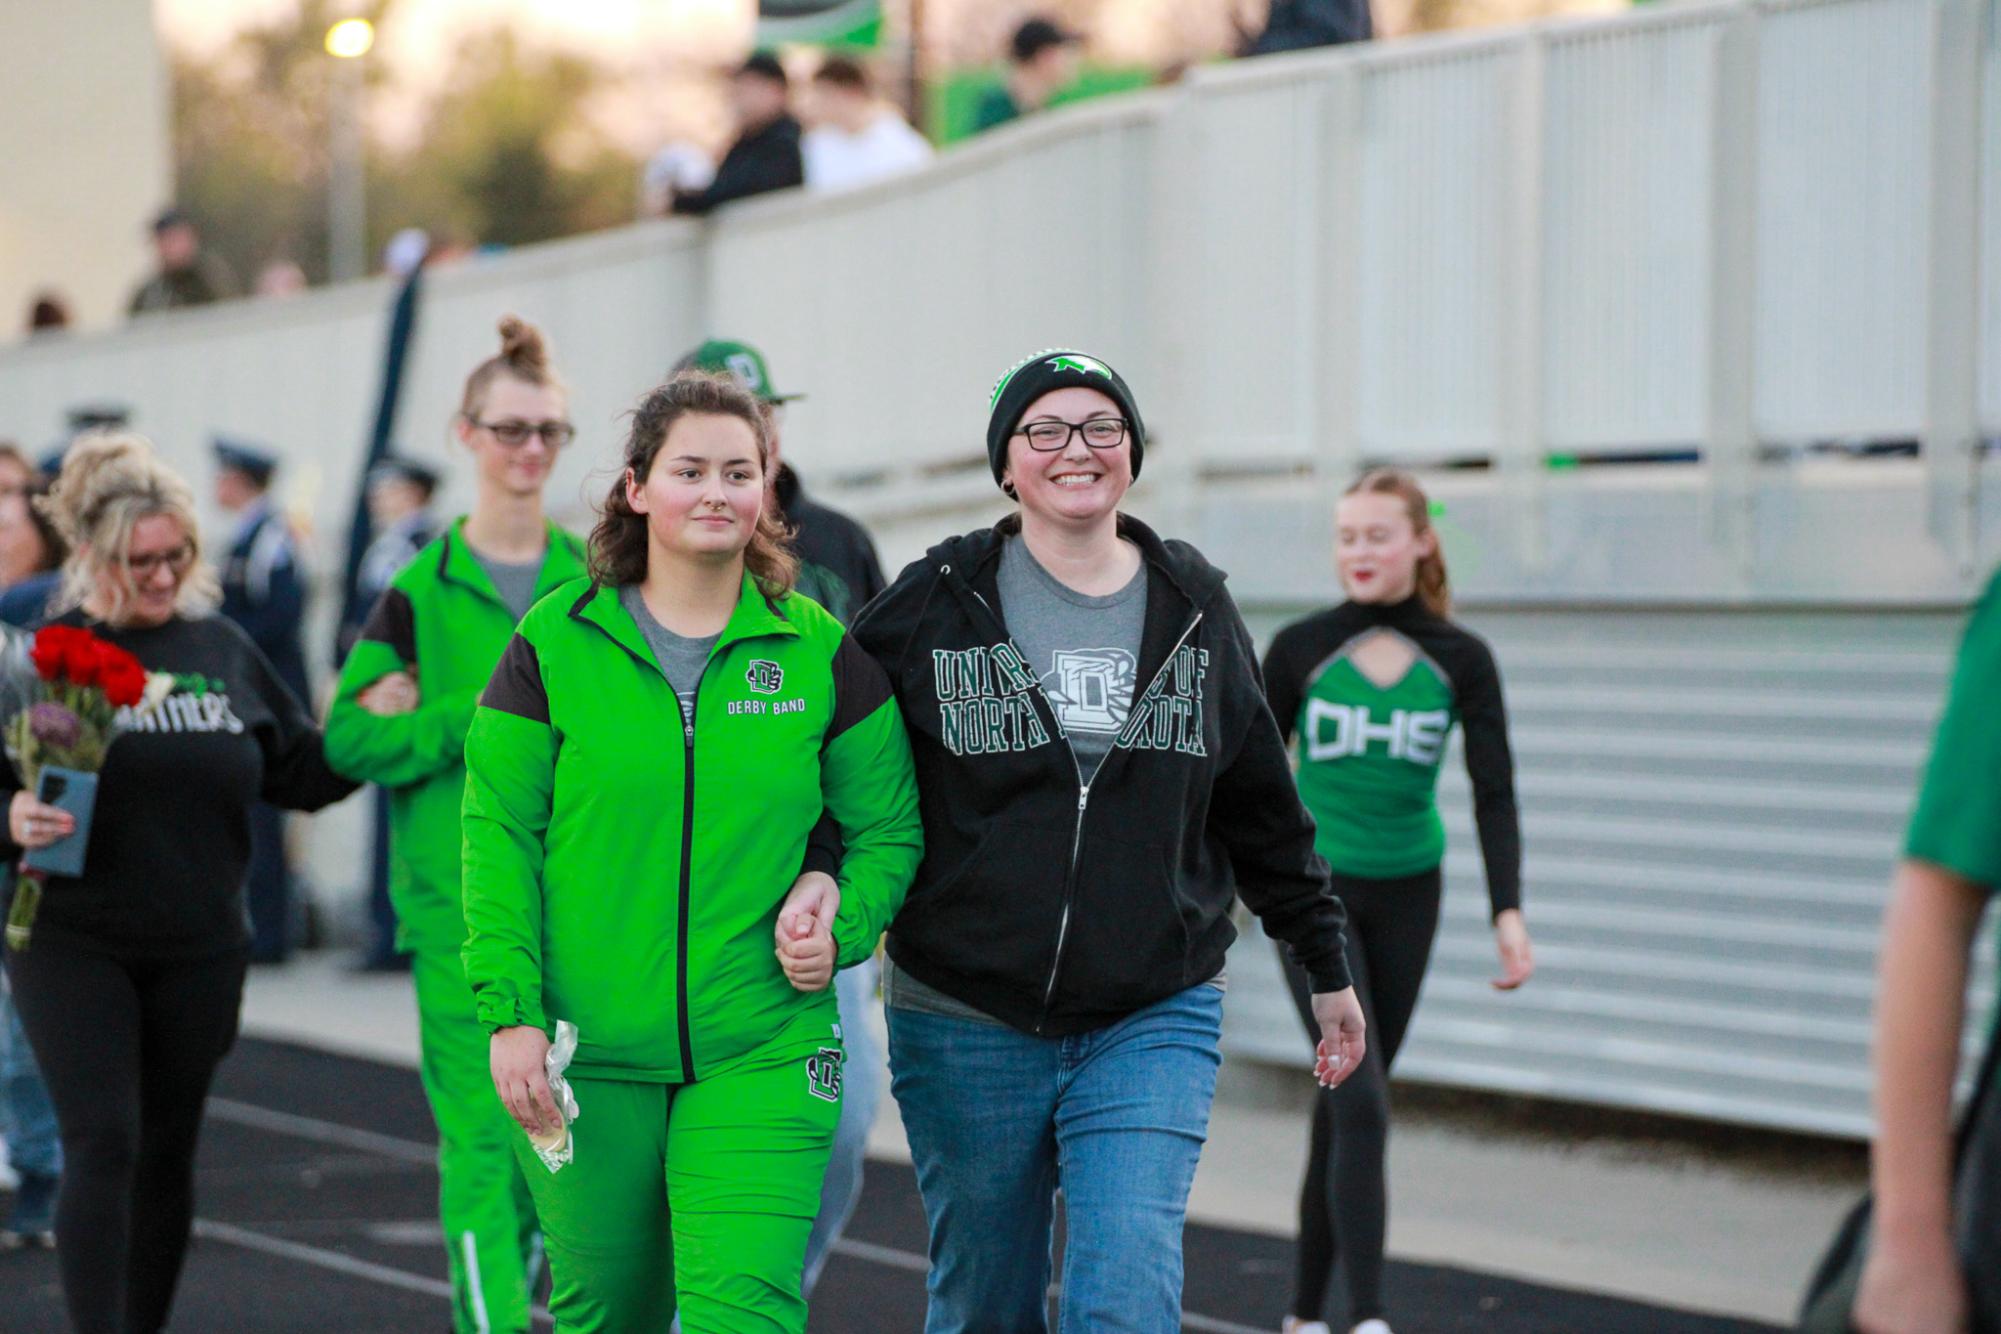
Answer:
(1100, 778)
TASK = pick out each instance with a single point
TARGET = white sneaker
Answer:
(1372, 1327)
(1294, 1325)
(10, 1180)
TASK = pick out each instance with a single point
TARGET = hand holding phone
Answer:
(70, 792)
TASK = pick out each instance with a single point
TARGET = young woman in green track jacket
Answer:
(399, 718)
(643, 772)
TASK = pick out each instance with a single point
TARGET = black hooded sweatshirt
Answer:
(1060, 907)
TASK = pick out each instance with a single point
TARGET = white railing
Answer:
(1730, 230)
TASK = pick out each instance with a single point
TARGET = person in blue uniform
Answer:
(264, 592)
(400, 491)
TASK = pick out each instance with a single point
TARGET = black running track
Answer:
(317, 1202)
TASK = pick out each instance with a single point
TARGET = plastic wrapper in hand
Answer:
(556, 1147)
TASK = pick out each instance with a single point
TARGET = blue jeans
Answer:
(861, 1091)
(26, 1118)
(999, 1120)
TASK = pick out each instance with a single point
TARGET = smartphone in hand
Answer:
(74, 791)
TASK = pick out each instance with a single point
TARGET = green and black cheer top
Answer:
(1372, 692)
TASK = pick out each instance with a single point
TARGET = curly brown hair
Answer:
(619, 542)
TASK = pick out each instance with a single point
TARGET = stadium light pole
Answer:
(347, 202)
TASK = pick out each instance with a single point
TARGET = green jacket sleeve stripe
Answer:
(510, 779)
(870, 788)
(403, 748)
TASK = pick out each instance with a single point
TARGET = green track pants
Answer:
(483, 1202)
(740, 1153)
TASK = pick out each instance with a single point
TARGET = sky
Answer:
(422, 32)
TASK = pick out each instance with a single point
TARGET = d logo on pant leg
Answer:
(823, 1074)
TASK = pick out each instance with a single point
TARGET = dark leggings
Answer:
(128, 1047)
(1343, 1203)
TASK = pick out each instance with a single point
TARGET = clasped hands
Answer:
(804, 936)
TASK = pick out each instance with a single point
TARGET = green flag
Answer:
(847, 24)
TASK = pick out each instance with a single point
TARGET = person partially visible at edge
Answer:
(838, 569)
(1913, 1281)
(1372, 689)
(186, 276)
(399, 492)
(1100, 780)
(130, 989)
(429, 646)
(856, 138)
(32, 549)
(264, 591)
(1042, 62)
(765, 156)
(643, 773)
(32, 552)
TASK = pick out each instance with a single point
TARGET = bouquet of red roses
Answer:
(81, 694)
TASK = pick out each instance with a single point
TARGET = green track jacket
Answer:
(442, 616)
(624, 870)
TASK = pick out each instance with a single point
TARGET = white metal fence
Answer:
(1728, 230)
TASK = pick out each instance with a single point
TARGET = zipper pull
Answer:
(1083, 796)
(688, 729)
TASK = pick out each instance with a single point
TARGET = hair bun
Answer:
(523, 348)
(99, 466)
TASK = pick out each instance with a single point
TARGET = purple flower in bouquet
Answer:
(55, 726)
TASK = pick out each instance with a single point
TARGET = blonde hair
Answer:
(1434, 586)
(110, 480)
(523, 355)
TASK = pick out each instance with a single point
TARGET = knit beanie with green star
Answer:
(1055, 368)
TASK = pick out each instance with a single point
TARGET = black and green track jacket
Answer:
(624, 869)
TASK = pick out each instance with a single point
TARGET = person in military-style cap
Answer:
(839, 570)
(264, 592)
(400, 490)
(101, 416)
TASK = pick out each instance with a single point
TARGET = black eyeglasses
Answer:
(514, 434)
(178, 560)
(1098, 433)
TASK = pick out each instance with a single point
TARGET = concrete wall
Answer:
(85, 148)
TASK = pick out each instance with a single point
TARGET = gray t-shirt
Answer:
(514, 583)
(1085, 649)
(681, 658)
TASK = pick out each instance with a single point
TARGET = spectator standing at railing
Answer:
(1042, 62)
(857, 138)
(187, 277)
(765, 156)
(1295, 25)
(48, 314)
